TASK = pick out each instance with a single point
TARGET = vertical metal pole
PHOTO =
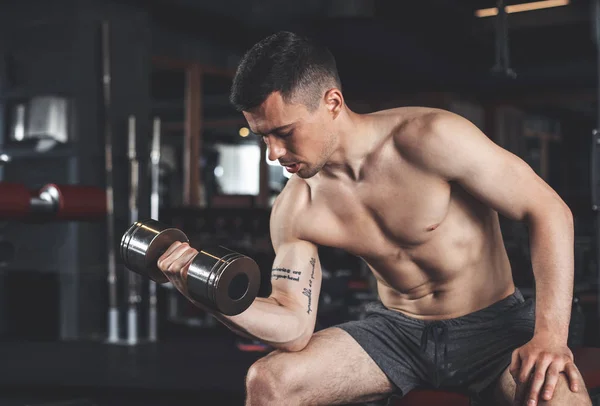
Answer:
(595, 188)
(192, 136)
(154, 214)
(133, 279)
(113, 311)
(596, 152)
(499, 36)
(502, 65)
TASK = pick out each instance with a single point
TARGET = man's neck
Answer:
(356, 138)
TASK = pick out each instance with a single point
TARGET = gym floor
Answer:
(208, 370)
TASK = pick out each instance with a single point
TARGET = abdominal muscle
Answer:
(441, 279)
(449, 299)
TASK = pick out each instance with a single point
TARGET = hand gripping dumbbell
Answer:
(221, 279)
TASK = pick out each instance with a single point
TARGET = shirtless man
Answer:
(415, 192)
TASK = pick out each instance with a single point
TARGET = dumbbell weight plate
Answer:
(143, 244)
(219, 278)
(223, 279)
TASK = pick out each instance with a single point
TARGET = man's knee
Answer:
(564, 396)
(269, 381)
(261, 384)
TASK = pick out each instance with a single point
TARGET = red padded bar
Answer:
(77, 202)
(419, 397)
(587, 360)
(15, 201)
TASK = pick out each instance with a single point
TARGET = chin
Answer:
(306, 173)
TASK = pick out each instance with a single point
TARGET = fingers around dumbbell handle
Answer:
(143, 244)
(224, 280)
(219, 278)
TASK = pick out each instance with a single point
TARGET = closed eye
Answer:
(285, 135)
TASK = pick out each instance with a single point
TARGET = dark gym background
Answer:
(174, 60)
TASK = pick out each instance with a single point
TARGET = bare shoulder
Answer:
(287, 210)
(418, 125)
(428, 137)
(294, 197)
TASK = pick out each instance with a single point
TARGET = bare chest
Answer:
(378, 217)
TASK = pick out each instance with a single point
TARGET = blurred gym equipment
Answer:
(52, 202)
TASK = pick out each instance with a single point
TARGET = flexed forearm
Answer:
(270, 321)
(285, 319)
(551, 240)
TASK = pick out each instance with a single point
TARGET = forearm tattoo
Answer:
(284, 273)
(308, 291)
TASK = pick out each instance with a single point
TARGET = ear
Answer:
(334, 100)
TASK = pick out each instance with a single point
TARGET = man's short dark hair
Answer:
(296, 66)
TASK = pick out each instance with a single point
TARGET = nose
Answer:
(275, 149)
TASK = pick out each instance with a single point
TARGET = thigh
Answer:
(508, 393)
(505, 390)
(332, 369)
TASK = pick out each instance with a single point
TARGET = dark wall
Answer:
(171, 43)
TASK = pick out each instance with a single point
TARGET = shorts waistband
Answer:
(492, 310)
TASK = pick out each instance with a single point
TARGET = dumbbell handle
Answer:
(218, 278)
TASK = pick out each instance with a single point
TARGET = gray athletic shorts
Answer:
(465, 354)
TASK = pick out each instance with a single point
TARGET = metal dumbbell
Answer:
(219, 278)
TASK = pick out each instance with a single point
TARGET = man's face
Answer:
(300, 140)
